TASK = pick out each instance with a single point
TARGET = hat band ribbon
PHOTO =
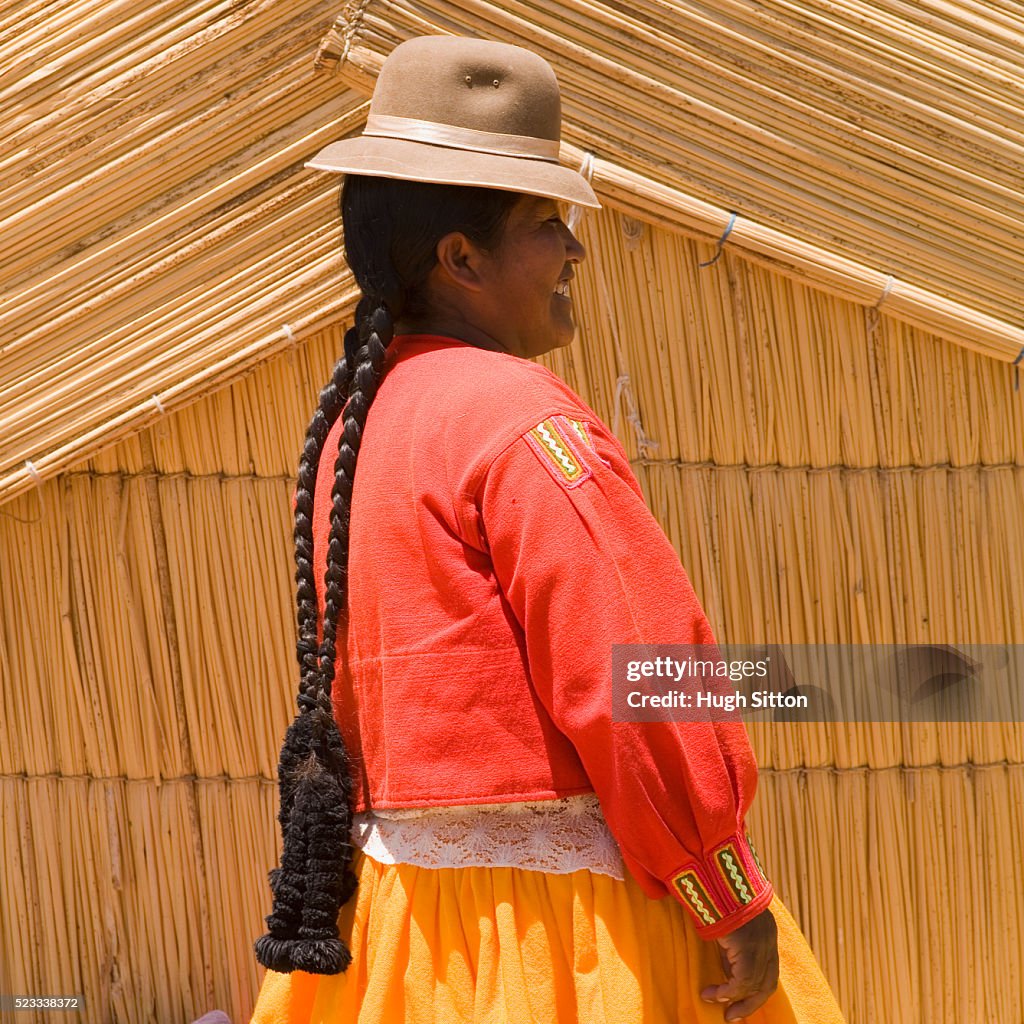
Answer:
(414, 130)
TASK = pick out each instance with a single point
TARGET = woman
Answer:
(518, 856)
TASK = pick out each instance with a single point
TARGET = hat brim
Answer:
(379, 157)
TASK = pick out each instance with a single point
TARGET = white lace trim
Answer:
(558, 836)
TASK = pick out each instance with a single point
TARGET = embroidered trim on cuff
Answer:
(730, 879)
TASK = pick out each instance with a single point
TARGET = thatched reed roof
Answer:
(162, 236)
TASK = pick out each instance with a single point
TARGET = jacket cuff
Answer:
(725, 890)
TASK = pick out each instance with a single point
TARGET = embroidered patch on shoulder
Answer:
(584, 434)
(696, 897)
(582, 428)
(556, 441)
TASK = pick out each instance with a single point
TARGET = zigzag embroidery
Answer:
(570, 467)
(697, 898)
(582, 427)
(552, 440)
(697, 902)
(757, 860)
(577, 425)
(739, 883)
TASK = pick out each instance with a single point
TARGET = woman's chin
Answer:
(567, 335)
(560, 338)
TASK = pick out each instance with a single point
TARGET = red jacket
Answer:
(500, 544)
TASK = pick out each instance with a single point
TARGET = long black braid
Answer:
(391, 231)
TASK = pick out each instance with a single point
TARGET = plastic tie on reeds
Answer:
(733, 217)
(37, 482)
(874, 313)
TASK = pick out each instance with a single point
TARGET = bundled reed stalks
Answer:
(812, 498)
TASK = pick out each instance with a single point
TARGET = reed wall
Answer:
(826, 475)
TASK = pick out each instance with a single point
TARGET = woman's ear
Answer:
(460, 261)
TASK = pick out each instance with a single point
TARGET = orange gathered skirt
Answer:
(482, 945)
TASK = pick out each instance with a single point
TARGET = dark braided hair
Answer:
(391, 231)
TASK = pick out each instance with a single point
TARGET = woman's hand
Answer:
(750, 959)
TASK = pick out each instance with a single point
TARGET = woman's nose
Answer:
(574, 250)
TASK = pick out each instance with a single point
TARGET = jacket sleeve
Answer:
(584, 564)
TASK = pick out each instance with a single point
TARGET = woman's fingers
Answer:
(745, 1007)
(750, 959)
(761, 994)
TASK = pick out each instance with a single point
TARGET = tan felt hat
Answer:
(462, 111)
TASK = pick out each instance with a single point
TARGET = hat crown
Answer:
(453, 110)
(451, 80)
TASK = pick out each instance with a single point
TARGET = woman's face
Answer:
(507, 299)
(522, 281)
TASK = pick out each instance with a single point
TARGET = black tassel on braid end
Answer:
(314, 879)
